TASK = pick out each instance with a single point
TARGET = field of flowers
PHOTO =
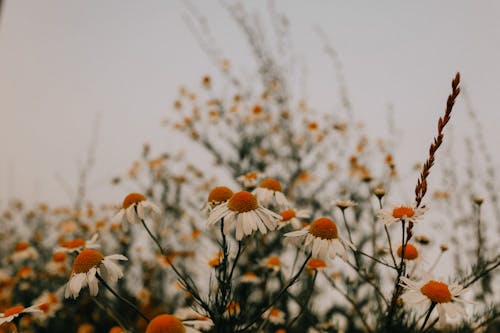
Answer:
(288, 225)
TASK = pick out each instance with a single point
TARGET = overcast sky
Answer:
(63, 62)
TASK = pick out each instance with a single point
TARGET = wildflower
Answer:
(408, 213)
(343, 204)
(429, 291)
(268, 189)
(23, 251)
(78, 244)
(165, 323)
(379, 192)
(217, 196)
(116, 329)
(411, 252)
(250, 277)
(274, 316)
(315, 265)
(244, 209)
(478, 201)
(135, 207)
(422, 240)
(291, 216)
(49, 305)
(322, 236)
(10, 314)
(87, 264)
(273, 263)
(250, 179)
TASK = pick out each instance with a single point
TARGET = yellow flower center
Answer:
(86, 260)
(323, 228)
(411, 252)
(220, 194)
(271, 184)
(131, 199)
(242, 202)
(437, 292)
(13, 310)
(315, 264)
(165, 323)
(287, 215)
(401, 211)
(21, 246)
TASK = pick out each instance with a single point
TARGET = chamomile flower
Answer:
(268, 190)
(428, 290)
(408, 213)
(275, 316)
(250, 277)
(49, 305)
(411, 252)
(292, 216)
(323, 239)
(244, 210)
(23, 251)
(314, 265)
(135, 207)
(10, 314)
(217, 196)
(78, 244)
(250, 179)
(343, 204)
(86, 266)
(165, 323)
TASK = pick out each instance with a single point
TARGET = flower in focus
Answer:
(408, 213)
(10, 314)
(165, 323)
(292, 216)
(250, 179)
(323, 238)
(428, 290)
(86, 266)
(78, 244)
(217, 196)
(136, 207)
(244, 210)
(274, 316)
(268, 189)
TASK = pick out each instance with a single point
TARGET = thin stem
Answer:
(306, 300)
(356, 257)
(434, 264)
(433, 304)
(479, 235)
(238, 254)
(126, 301)
(376, 260)
(390, 245)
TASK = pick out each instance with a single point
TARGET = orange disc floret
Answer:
(220, 194)
(59, 256)
(323, 228)
(45, 307)
(13, 310)
(273, 261)
(132, 199)
(411, 252)
(74, 243)
(116, 329)
(315, 264)
(271, 184)
(437, 292)
(242, 202)
(86, 260)
(21, 246)
(251, 175)
(402, 211)
(165, 323)
(287, 215)
(274, 312)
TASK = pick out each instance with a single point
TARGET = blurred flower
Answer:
(315, 265)
(23, 251)
(250, 179)
(343, 204)
(87, 264)
(274, 316)
(267, 190)
(291, 216)
(78, 244)
(323, 238)
(250, 277)
(244, 210)
(10, 314)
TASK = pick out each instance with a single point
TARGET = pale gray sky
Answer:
(62, 62)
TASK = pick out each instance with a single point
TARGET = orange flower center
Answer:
(86, 260)
(287, 215)
(401, 211)
(411, 252)
(59, 256)
(251, 175)
(13, 310)
(271, 184)
(242, 202)
(73, 244)
(165, 324)
(274, 313)
(436, 291)
(220, 194)
(116, 329)
(273, 261)
(315, 264)
(323, 228)
(21, 246)
(131, 199)
(45, 307)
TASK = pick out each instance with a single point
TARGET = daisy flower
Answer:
(244, 210)
(343, 204)
(135, 207)
(49, 304)
(217, 196)
(165, 323)
(86, 266)
(292, 216)
(10, 314)
(250, 277)
(268, 189)
(272, 262)
(411, 252)
(314, 265)
(78, 244)
(323, 238)
(408, 213)
(274, 316)
(250, 179)
(428, 290)
(23, 251)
